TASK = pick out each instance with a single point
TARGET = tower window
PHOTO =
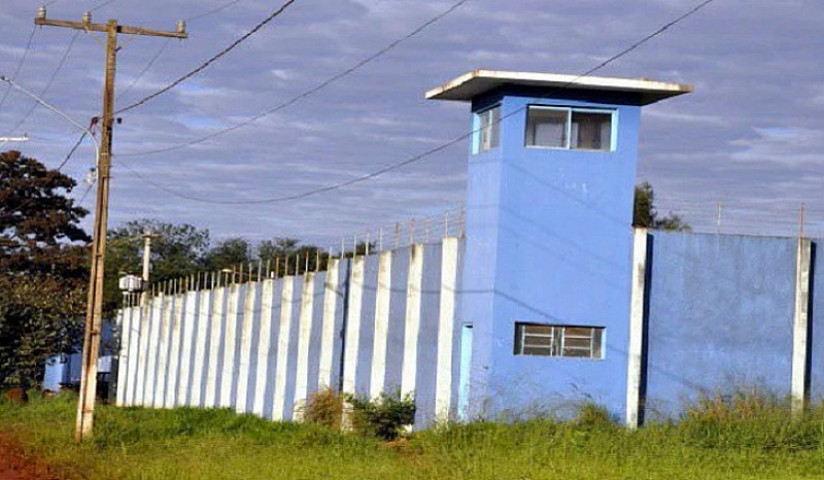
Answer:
(559, 340)
(569, 128)
(488, 129)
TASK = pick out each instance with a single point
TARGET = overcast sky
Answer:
(751, 135)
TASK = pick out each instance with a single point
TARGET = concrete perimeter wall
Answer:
(370, 324)
(725, 314)
(710, 314)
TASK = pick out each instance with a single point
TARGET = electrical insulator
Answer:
(87, 17)
(41, 12)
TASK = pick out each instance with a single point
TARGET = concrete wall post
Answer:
(801, 346)
(635, 349)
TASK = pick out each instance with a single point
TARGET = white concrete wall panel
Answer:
(413, 319)
(446, 329)
(175, 351)
(134, 355)
(215, 346)
(331, 301)
(124, 325)
(156, 322)
(353, 324)
(304, 335)
(201, 350)
(284, 330)
(231, 338)
(190, 324)
(250, 318)
(163, 352)
(266, 349)
(381, 329)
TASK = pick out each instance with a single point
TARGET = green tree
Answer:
(229, 253)
(43, 267)
(278, 247)
(39, 318)
(645, 215)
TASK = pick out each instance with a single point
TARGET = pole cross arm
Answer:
(102, 27)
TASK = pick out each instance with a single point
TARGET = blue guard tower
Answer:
(545, 303)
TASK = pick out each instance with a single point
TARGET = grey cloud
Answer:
(755, 66)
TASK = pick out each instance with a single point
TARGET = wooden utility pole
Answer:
(94, 307)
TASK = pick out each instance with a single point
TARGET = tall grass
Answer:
(753, 420)
(729, 437)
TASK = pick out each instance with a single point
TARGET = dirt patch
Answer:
(15, 465)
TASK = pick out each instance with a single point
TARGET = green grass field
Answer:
(739, 439)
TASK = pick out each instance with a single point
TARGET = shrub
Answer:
(324, 407)
(384, 416)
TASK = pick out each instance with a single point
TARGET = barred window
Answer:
(558, 340)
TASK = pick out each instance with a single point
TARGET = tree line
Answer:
(179, 251)
(44, 264)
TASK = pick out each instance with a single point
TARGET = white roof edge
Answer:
(476, 82)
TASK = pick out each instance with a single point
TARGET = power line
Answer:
(50, 82)
(211, 60)
(13, 84)
(309, 193)
(418, 157)
(86, 192)
(98, 7)
(147, 67)
(49, 106)
(19, 65)
(166, 44)
(71, 152)
(309, 92)
(645, 39)
(213, 11)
